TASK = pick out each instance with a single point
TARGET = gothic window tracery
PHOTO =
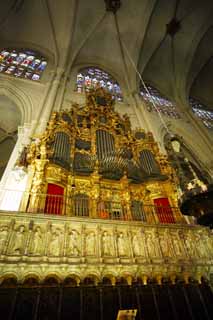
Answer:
(165, 106)
(201, 111)
(22, 63)
(90, 77)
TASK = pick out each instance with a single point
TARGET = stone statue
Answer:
(3, 236)
(177, 245)
(166, 245)
(190, 247)
(37, 242)
(55, 244)
(138, 244)
(201, 248)
(106, 244)
(153, 246)
(18, 240)
(73, 243)
(90, 244)
(122, 246)
(208, 240)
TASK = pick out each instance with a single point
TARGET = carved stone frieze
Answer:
(81, 245)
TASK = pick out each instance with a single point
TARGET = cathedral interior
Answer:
(106, 168)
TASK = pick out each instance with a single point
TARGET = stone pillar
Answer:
(140, 112)
(50, 100)
(196, 124)
(13, 183)
(60, 95)
(23, 139)
(202, 133)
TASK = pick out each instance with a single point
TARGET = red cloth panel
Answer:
(54, 199)
(163, 210)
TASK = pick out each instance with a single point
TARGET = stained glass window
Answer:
(202, 112)
(89, 77)
(22, 63)
(163, 104)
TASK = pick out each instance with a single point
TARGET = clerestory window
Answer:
(90, 77)
(202, 112)
(163, 105)
(22, 63)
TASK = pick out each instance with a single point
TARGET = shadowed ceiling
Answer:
(170, 42)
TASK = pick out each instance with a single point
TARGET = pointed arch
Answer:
(19, 98)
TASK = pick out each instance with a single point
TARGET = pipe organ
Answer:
(61, 149)
(99, 226)
(105, 144)
(93, 151)
(148, 163)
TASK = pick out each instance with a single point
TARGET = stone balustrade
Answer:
(48, 244)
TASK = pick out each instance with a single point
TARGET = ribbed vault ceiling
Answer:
(170, 42)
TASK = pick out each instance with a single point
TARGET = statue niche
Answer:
(37, 242)
(107, 244)
(122, 245)
(3, 237)
(18, 240)
(55, 243)
(73, 247)
(90, 244)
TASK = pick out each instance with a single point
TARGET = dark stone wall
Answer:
(192, 301)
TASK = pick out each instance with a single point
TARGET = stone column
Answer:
(140, 110)
(49, 104)
(60, 96)
(13, 183)
(23, 139)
